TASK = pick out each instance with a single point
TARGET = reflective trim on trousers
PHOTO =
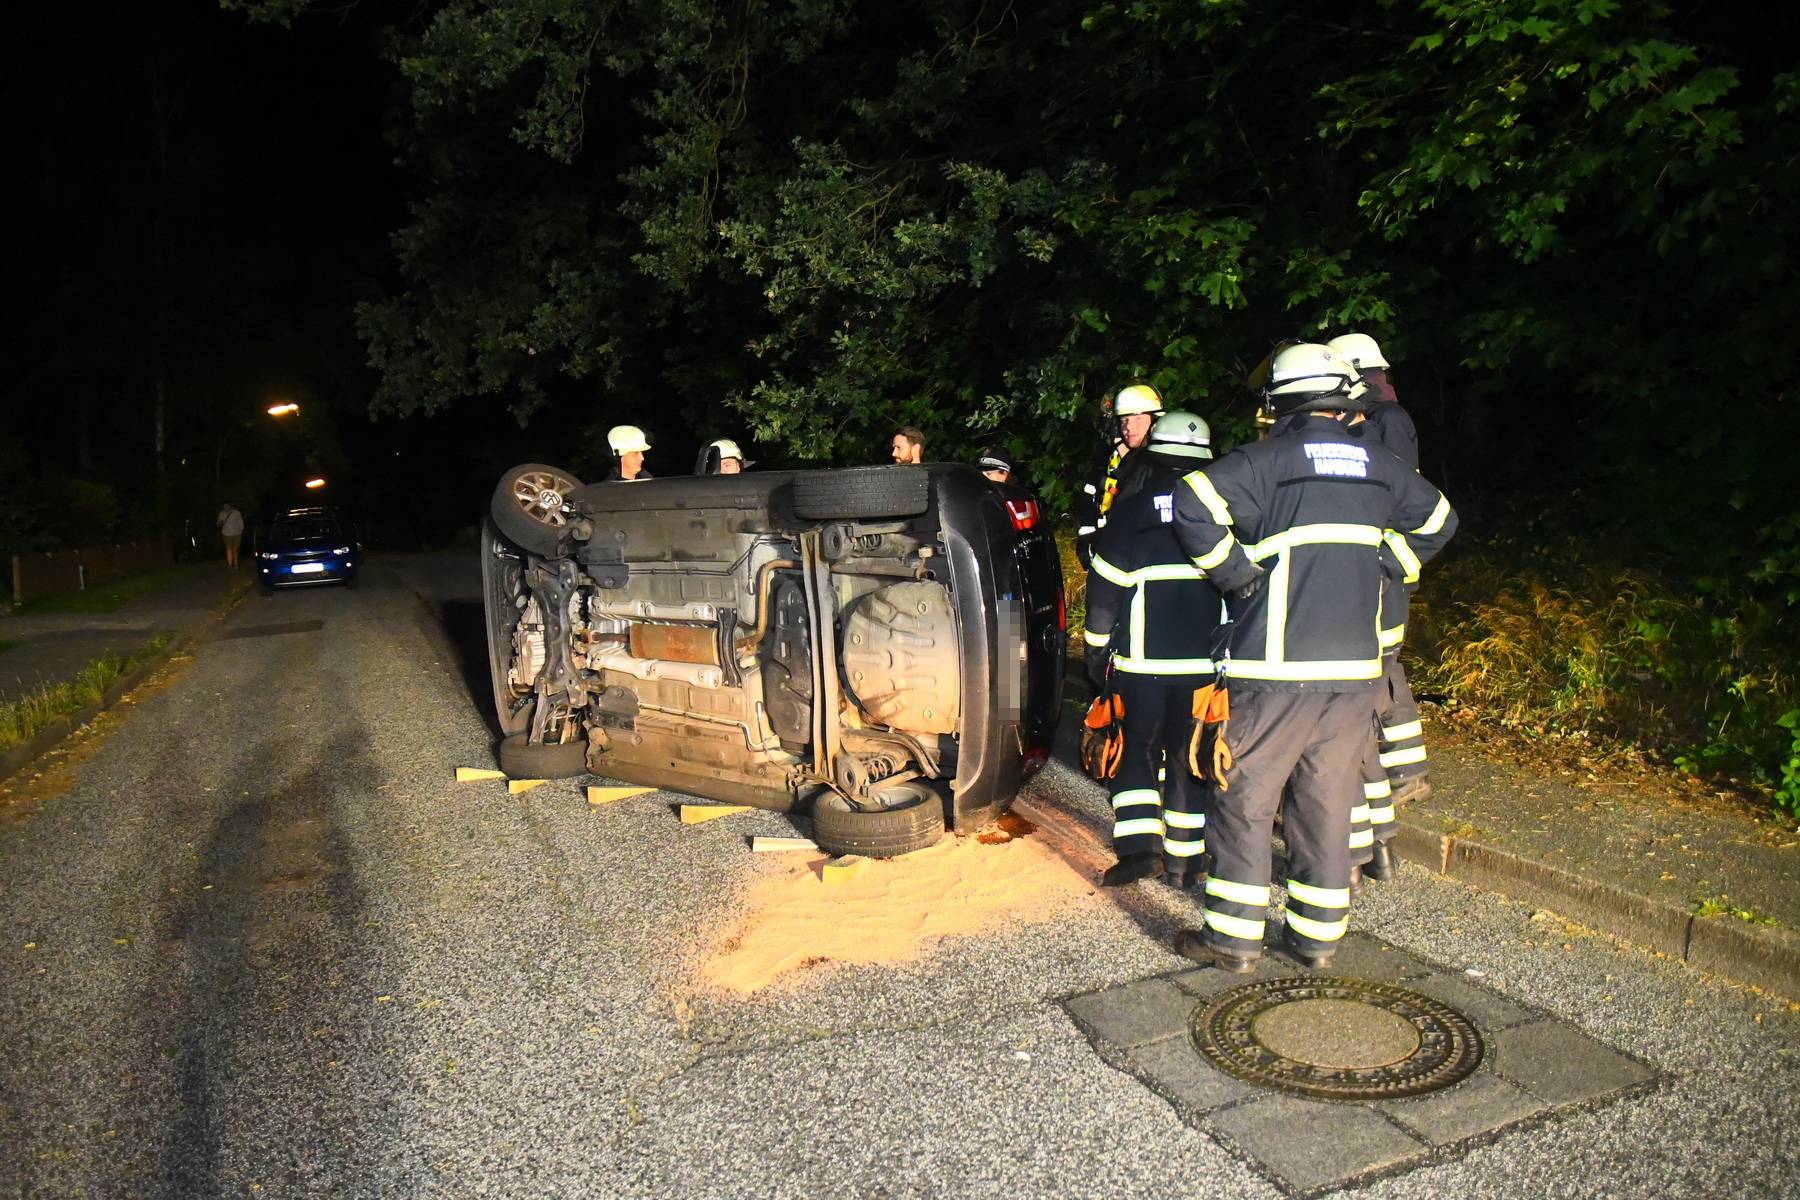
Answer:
(1184, 820)
(1178, 849)
(1376, 791)
(1393, 758)
(1395, 733)
(1238, 893)
(1137, 826)
(1381, 816)
(1318, 897)
(1318, 931)
(1137, 796)
(1237, 927)
(1361, 838)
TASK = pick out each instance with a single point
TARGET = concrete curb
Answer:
(1767, 956)
(55, 731)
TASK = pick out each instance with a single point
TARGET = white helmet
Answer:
(1308, 377)
(625, 438)
(1181, 435)
(1138, 398)
(727, 449)
(1360, 349)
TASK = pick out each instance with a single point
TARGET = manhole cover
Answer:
(1336, 1038)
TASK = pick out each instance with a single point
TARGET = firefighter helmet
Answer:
(1307, 377)
(1138, 398)
(1181, 435)
(727, 449)
(1360, 349)
(623, 439)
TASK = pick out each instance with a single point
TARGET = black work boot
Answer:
(1132, 868)
(1356, 880)
(1418, 787)
(1382, 866)
(1318, 960)
(1191, 943)
(1185, 873)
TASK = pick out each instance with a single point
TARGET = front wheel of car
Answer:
(521, 759)
(912, 819)
(528, 506)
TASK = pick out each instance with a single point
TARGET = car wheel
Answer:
(862, 492)
(503, 598)
(523, 760)
(913, 820)
(527, 506)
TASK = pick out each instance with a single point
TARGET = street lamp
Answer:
(282, 410)
(315, 484)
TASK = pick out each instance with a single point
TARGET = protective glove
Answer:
(1095, 658)
(1251, 585)
(1103, 737)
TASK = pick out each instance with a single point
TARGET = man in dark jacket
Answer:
(1400, 747)
(1151, 621)
(1291, 529)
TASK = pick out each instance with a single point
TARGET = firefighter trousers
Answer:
(1315, 741)
(1402, 754)
(1158, 805)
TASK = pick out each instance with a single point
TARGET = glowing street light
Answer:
(282, 410)
(315, 484)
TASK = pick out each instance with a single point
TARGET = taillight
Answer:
(1034, 760)
(1024, 514)
(1062, 610)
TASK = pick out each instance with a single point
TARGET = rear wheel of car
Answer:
(521, 759)
(857, 492)
(527, 506)
(913, 820)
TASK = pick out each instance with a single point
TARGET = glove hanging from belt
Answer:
(1103, 736)
(1209, 755)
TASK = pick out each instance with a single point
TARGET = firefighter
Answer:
(722, 457)
(1151, 620)
(1400, 749)
(1134, 409)
(628, 445)
(1291, 530)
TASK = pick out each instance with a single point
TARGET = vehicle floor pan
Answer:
(705, 786)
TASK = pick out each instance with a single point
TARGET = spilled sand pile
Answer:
(891, 911)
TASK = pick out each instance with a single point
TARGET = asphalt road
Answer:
(263, 946)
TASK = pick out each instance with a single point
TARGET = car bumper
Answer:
(285, 574)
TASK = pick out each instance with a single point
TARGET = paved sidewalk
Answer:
(51, 647)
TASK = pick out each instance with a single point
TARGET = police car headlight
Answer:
(269, 556)
(341, 550)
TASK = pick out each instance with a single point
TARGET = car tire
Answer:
(520, 759)
(862, 492)
(916, 823)
(527, 506)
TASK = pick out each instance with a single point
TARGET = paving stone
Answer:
(1210, 981)
(1488, 1010)
(1559, 1063)
(1361, 956)
(1476, 1105)
(1174, 1068)
(1140, 1012)
(1310, 1144)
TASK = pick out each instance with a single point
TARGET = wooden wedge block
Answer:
(843, 870)
(471, 774)
(693, 814)
(766, 845)
(606, 795)
(515, 786)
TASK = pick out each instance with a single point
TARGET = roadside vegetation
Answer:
(115, 593)
(22, 719)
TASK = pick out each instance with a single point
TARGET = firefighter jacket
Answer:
(1393, 427)
(1311, 506)
(1115, 468)
(1145, 597)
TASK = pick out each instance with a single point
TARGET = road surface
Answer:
(262, 945)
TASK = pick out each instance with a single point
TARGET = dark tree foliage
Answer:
(1567, 220)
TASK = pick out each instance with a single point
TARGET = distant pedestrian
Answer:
(231, 528)
(909, 445)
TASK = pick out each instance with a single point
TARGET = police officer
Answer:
(1400, 755)
(997, 465)
(1134, 410)
(628, 445)
(1291, 529)
(1151, 620)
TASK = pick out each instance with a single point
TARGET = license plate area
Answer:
(306, 569)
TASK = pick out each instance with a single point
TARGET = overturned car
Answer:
(879, 646)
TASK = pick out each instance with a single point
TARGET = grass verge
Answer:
(22, 719)
(111, 595)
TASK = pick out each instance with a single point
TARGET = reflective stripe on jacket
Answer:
(1327, 512)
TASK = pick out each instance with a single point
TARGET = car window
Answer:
(304, 529)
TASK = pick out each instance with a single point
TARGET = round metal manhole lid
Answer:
(1336, 1038)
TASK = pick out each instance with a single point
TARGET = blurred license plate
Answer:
(306, 568)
